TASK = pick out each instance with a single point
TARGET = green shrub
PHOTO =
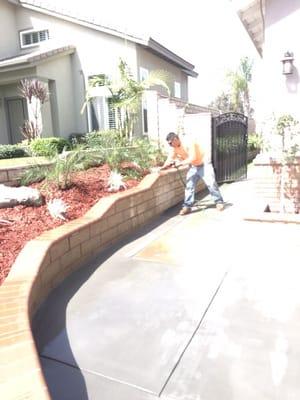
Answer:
(254, 141)
(61, 169)
(66, 164)
(146, 154)
(34, 174)
(106, 139)
(48, 147)
(77, 139)
(12, 151)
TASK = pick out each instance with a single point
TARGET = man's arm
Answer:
(170, 161)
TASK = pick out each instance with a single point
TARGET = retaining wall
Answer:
(268, 174)
(47, 260)
(10, 176)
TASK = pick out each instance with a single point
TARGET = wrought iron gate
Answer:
(229, 146)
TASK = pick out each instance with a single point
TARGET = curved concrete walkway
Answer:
(204, 306)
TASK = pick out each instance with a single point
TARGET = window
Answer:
(103, 115)
(177, 89)
(98, 107)
(144, 74)
(145, 115)
(33, 38)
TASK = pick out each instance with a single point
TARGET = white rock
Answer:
(13, 196)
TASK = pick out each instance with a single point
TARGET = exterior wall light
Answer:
(287, 63)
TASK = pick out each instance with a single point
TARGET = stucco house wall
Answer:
(85, 50)
(64, 96)
(150, 61)
(278, 93)
(8, 32)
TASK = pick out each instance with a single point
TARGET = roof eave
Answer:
(82, 22)
(34, 60)
(169, 56)
(252, 17)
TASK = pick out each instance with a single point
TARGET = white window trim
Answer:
(25, 46)
(177, 89)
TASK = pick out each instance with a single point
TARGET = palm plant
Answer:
(126, 94)
(240, 79)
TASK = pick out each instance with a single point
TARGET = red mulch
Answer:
(29, 222)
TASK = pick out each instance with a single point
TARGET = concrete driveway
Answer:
(201, 307)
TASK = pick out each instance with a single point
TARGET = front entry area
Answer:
(16, 112)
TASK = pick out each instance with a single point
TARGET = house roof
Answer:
(34, 58)
(252, 16)
(93, 22)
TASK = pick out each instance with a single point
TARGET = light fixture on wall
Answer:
(287, 63)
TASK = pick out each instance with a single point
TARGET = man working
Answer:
(192, 154)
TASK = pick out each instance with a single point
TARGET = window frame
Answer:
(28, 31)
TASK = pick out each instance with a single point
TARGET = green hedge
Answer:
(48, 147)
(12, 151)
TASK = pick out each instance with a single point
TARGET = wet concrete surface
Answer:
(201, 307)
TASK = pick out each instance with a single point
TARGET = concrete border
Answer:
(47, 260)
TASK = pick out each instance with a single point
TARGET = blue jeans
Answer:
(205, 172)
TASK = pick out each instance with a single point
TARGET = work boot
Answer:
(185, 210)
(220, 206)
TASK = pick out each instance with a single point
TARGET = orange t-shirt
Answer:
(192, 151)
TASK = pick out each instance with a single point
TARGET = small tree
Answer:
(237, 97)
(36, 93)
(222, 103)
(126, 94)
(239, 81)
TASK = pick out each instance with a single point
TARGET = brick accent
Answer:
(47, 260)
(268, 180)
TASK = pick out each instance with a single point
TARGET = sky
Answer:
(206, 33)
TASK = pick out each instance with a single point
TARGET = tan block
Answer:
(29, 260)
(91, 245)
(141, 208)
(16, 326)
(15, 174)
(134, 222)
(114, 220)
(18, 366)
(59, 248)
(29, 385)
(70, 257)
(47, 275)
(79, 236)
(109, 235)
(3, 176)
(8, 292)
(98, 227)
(8, 354)
(122, 204)
(126, 226)
(103, 208)
(129, 213)
(12, 305)
(16, 337)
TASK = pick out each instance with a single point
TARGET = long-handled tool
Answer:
(197, 204)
